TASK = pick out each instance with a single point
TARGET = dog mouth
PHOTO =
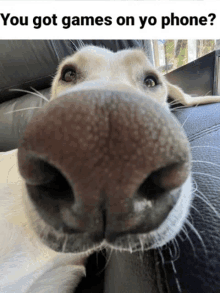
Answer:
(51, 202)
(105, 168)
(59, 236)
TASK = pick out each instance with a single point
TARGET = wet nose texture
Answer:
(104, 163)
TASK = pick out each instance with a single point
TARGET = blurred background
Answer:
(171, 54)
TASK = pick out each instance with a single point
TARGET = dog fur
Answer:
(27, 264)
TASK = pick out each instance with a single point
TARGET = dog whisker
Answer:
(80, 44)
(9, 172)
(141, 243)
(206, 174)
(176, 255)
(209, 92)
(185, 231)
(172, 261)
(189, 116)
(204, 199)
(190, 218)
(198, 235)
(205, 162)
(181, 237)
(193, 207)
(19, 110)
(129, 244)
(64, 243)
(108, 257)
(141, 256)
(205, 146)
(176, 279)
(73, 44)
(36, 93)
(178, 108)
(173, 103)
(161, 255)
(39, 94)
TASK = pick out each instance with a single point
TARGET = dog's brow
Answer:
(133, 56)
(74, 60)
(82, 59)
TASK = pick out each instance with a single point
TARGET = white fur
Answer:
(26, 265)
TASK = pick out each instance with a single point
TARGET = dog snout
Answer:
(104, 163)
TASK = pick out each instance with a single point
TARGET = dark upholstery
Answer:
(192, 262)
(189, 264)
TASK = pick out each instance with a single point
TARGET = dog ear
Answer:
(177, 94)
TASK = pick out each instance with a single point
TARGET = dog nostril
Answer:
(58, 188)
(149, 188)
(163, 180)
(47, 181)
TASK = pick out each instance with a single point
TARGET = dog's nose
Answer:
(104, 163)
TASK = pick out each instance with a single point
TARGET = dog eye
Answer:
(69, 75)
(150, 81)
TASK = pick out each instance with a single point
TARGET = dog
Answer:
(104, 164)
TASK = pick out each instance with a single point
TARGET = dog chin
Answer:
(83, 243)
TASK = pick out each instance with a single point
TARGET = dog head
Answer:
(105, 162)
